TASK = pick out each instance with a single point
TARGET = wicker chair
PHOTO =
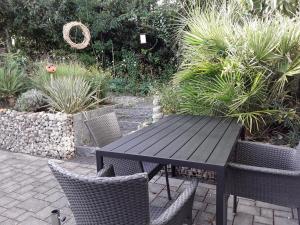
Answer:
(104, 130)
(122, 200)
(266, 173)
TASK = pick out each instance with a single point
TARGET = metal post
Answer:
(55, 217)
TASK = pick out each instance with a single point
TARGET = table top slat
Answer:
(225, 145)
(137, 147)
(167, 121)
(190, 147)
(171, 137)
(177, 144)
(203, 152)
(185, 140)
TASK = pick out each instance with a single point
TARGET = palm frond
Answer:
(263, 38)
(253, 119)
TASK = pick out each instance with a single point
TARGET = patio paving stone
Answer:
(252, 210)
(33, 205)
(29, 192)
(263, 220)
(284, 221)
(268, 213)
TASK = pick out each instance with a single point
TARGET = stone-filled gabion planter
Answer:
(46, 134)
(41, 133)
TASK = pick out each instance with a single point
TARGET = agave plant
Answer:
(70, 94)
(72, 69)
(238, 65)
(98, 79)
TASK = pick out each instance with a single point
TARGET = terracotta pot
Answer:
(51, 68)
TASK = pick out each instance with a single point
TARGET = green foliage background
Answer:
(115, 28)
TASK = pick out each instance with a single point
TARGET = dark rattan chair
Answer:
(104, 130)
(266, 173)
(121, 200)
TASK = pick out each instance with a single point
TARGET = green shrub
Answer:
(169, 98)
(121, 85)
(70, 94)
(239, 65)
(99, 81)
(31, 101)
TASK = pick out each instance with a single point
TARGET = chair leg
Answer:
(189, 219)
(298, 211)
(173, 169)
(167, 182)
(234, 204)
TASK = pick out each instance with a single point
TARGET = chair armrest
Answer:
(264, 170)
(180, 209)
(265, 155)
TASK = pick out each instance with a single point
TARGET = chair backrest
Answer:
(266, 155)
(105, 200)
(104, 130)
(296, 161)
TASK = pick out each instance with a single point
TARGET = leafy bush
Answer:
(99, 81)
(121, 85)
(12, 78)
(31, 101)
(169, 98)
(239, 65)
(70, 94)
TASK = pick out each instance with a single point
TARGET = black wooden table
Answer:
(182, 140)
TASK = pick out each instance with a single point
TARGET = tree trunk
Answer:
(8, 40)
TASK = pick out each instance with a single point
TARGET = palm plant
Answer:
(238, 65)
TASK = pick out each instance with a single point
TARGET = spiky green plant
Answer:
(70, 94)
(238, 65)
(12, 79)
(97, 78)
(72, 69)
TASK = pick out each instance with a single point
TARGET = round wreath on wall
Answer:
(85, 32)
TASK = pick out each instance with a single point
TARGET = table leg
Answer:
(99, 161)
(243, 134)
(221, 214)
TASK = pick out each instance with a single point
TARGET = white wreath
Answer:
(85, 31)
